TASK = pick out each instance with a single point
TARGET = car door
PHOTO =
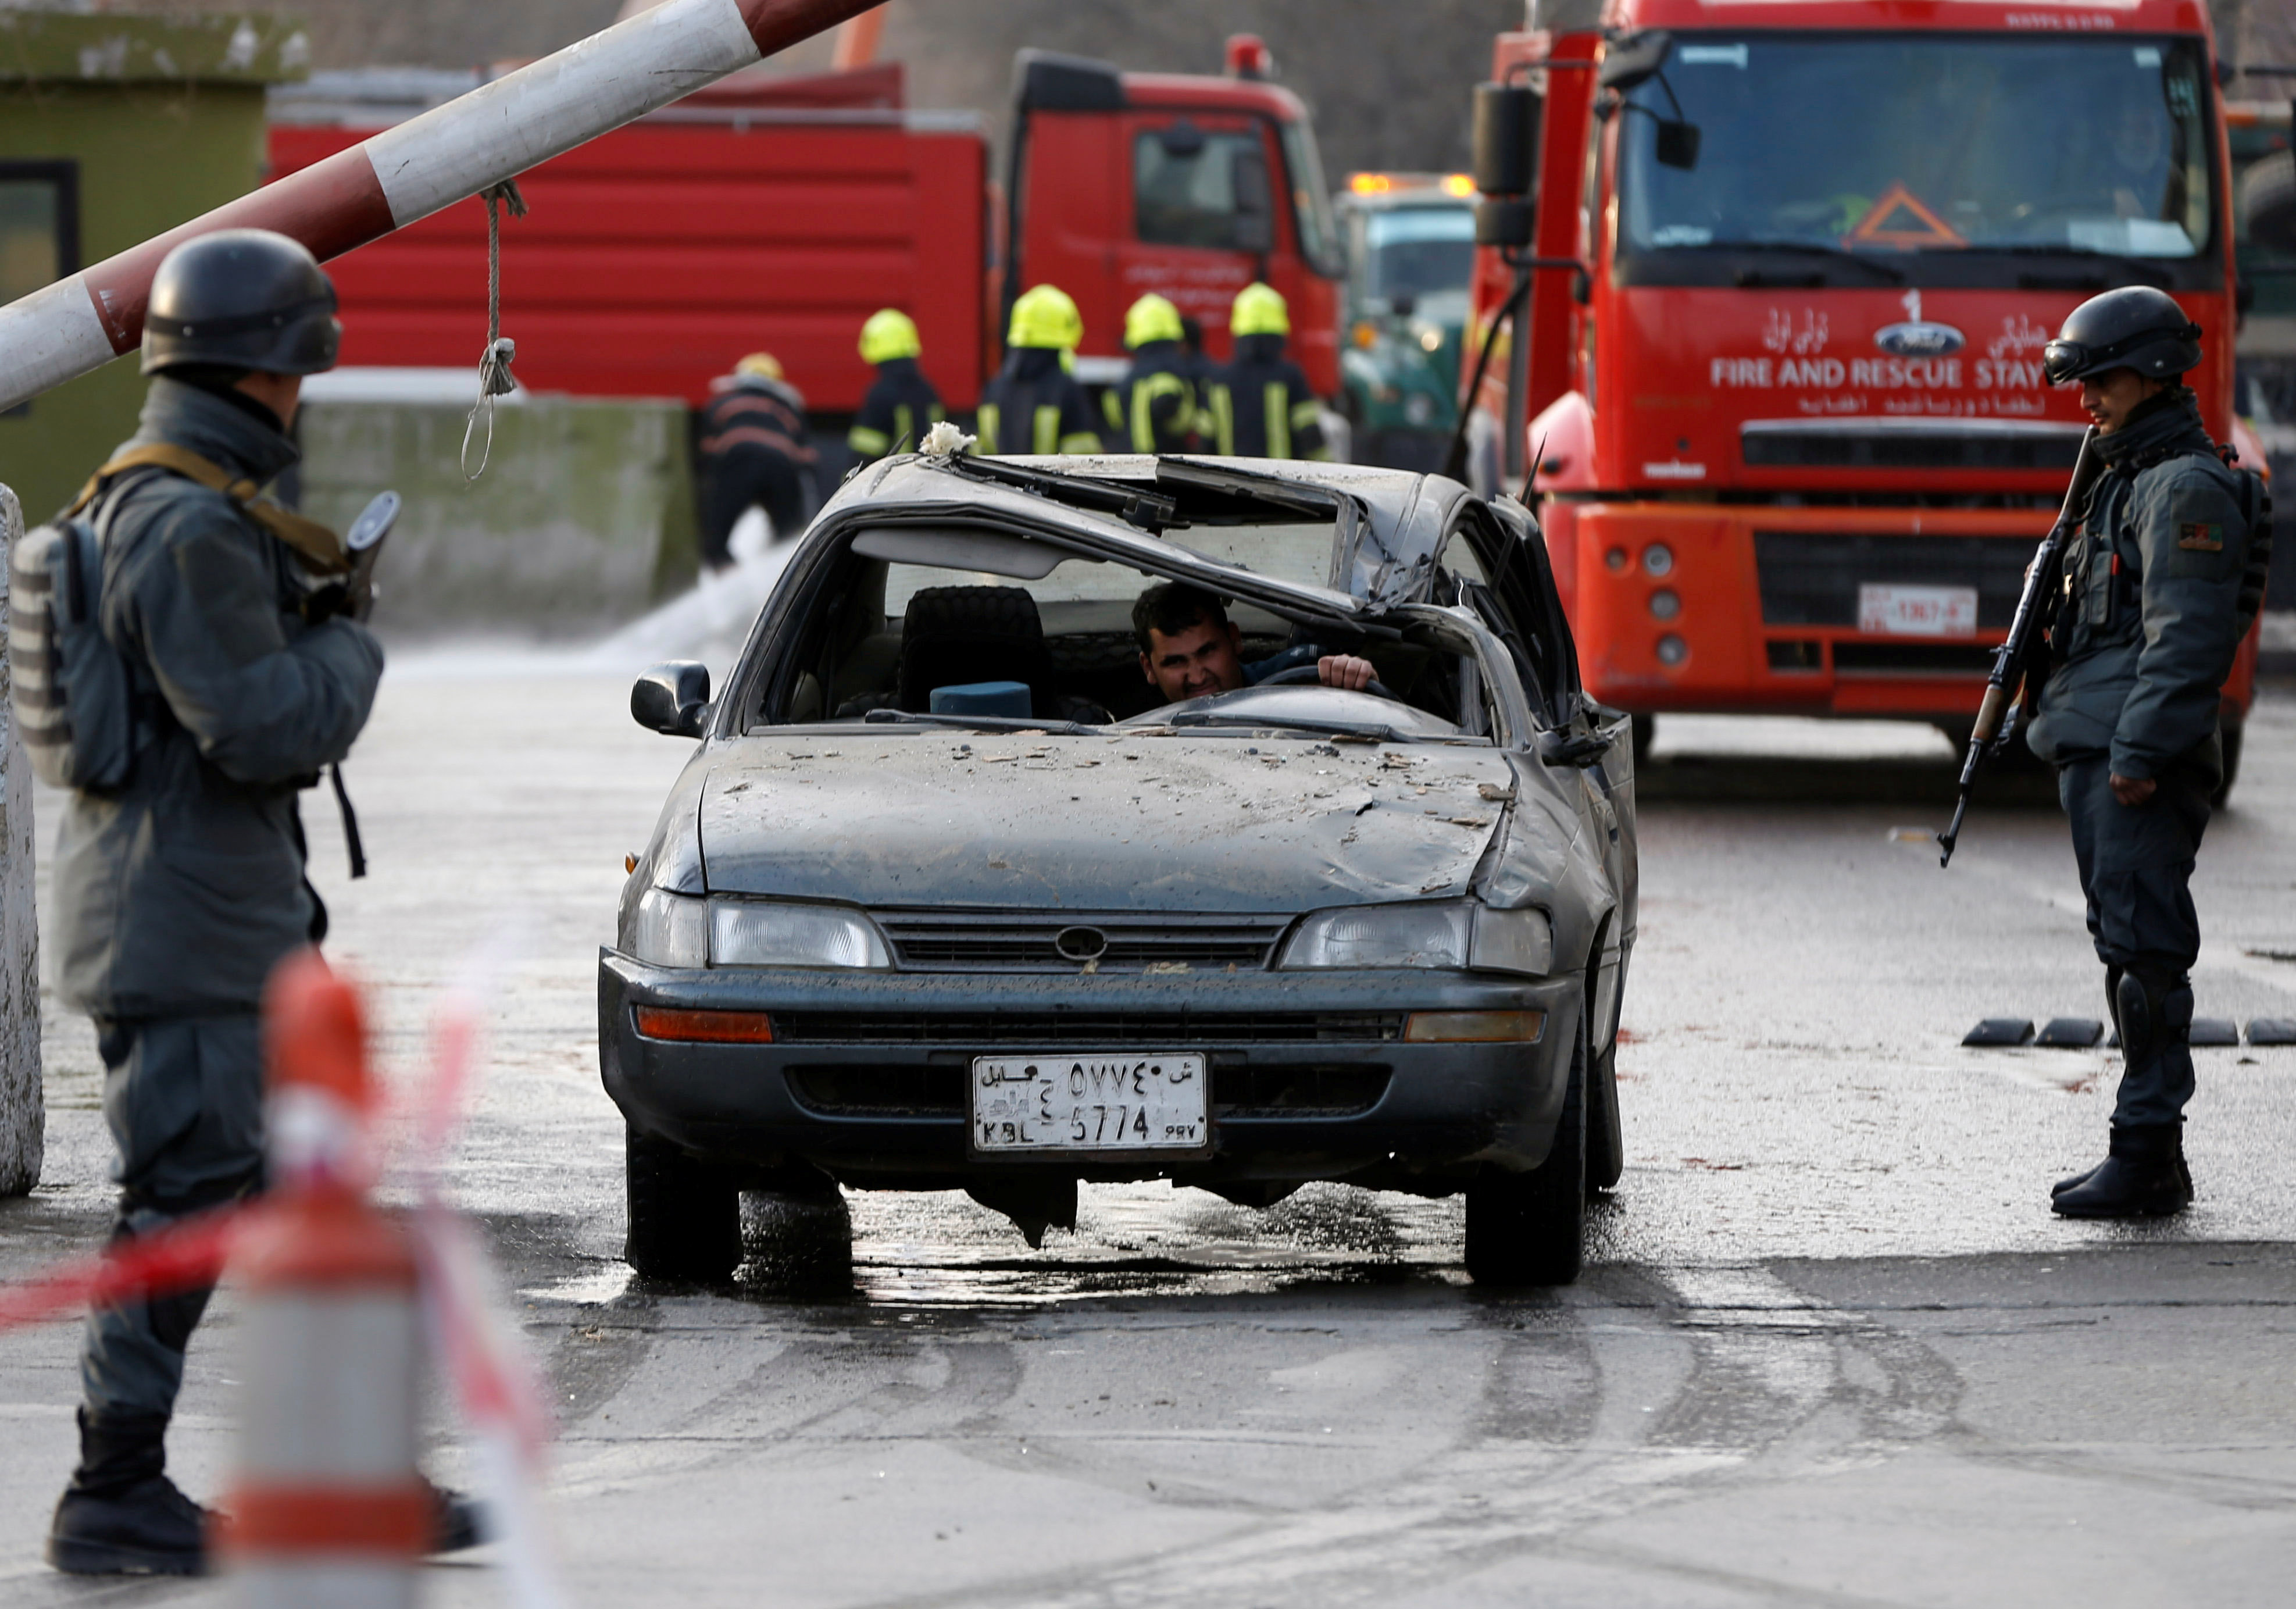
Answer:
(1520, 603)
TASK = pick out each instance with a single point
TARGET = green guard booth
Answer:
(114, 127)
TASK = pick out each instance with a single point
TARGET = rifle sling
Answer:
(321, 550)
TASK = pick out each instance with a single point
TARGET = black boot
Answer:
(2113, 976)
(120, 1514)
(2138, 1179)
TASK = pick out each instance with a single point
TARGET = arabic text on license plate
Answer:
(1918, 610)
(1064, 1102)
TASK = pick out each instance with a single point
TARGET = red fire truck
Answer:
(1782, 275)
(776, 214)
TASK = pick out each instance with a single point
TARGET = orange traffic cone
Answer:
(327, 1504)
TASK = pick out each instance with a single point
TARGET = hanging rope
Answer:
(493, 364)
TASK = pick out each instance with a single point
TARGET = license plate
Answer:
(1918, 610)
(1050, 1106)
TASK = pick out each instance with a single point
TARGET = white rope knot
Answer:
(495, 378)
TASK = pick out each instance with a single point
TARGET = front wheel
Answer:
(1529, 1228)
(686, 1214)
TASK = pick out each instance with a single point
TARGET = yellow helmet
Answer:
(1045, 316)
(889, 333)
(1152, 318)
(759, 366)
(1259, 311)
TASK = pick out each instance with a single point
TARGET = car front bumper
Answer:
(868, 1072)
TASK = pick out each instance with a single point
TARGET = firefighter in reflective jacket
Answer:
(1034, 404)
(1154, 409)
(1260, 403)
(902, 404)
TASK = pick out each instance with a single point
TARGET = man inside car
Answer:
(1190, 648)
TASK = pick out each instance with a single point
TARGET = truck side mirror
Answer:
(1506, 139)
(672, 699)
(1503, 220)
(1255, 204)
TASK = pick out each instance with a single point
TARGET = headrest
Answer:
(959, 636)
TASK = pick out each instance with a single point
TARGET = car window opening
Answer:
(1035, 638)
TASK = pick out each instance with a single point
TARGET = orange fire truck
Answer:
(1766, 287)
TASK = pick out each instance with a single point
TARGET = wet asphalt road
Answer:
(1831, 1348)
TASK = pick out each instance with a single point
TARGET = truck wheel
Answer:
(2232, 740)
(685, 1215)
(1527, 1228)
(1646, 727)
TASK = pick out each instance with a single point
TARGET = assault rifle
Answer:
(2021, 664)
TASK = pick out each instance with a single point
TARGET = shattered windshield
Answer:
(1920, 143)
(942, 622)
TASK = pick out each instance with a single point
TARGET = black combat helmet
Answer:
(2135, 327)
(241, 298)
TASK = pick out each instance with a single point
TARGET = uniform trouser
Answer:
(2137, 870)
(744, 477)
(184, 1097)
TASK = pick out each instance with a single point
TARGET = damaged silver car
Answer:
(951, 896)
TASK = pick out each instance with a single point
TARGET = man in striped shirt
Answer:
(755, 453)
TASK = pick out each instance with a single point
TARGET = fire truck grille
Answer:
(1812, 577)
(1797, 446)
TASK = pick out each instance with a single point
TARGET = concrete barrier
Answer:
(22, 1111)
(583, 520)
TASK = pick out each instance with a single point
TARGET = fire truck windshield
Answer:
(1968, 144)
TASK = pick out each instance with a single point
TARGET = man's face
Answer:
(2110, 397)
(1195, 662)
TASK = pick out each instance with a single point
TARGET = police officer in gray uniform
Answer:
(2162, 578)
(177, 894)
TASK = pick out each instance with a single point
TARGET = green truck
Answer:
(1410, 243)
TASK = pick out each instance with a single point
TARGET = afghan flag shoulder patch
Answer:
(2195, 538)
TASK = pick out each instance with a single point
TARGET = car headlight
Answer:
(760, 932)
(667, 930)
(1465, 934)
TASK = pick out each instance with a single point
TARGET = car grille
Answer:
(1237, 1091)
(1812, 577)
(1007, 942)
(1027, 1030)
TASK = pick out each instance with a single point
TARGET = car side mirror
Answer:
(1560, 746)
(672, 699)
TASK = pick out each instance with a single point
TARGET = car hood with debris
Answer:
(1101, 822)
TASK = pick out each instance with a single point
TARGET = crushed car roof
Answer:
(1403, 514)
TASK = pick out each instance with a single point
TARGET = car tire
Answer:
(686, 1214)
(2232, 742)
(1529, 1228)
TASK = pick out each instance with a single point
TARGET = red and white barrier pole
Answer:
(405, 173)
(327, 1504)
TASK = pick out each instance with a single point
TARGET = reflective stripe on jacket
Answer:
(1033, 405)
(900, 407)
(1261, 405)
